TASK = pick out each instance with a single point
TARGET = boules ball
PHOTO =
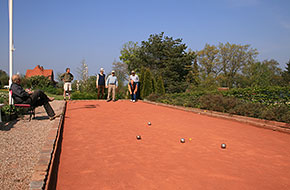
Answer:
(182, 140)
(138, 137)
(223, 146)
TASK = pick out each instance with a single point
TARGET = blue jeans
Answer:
(133, 96)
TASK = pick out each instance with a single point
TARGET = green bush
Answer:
(238, 101)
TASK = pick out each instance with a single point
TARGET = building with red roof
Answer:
(40, 71)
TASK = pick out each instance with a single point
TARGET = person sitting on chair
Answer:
(36, 98)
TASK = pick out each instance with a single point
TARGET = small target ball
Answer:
(190, 139)
(138, 137)
(182, 140)
(149, 123)
(223, 146)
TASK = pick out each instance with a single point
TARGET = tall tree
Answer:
(167, 57)
(83, 74)
(3, 78)
(233, 58)
(286, 74)
(121, 70)
(264, 74)
(208, 60)
(160, 86)
(147, 84)
(129, 56)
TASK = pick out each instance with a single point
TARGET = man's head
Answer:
(131, 81)
(133, 73)
(67, 70)
(16, 79)
(102, 70)
(113, 73)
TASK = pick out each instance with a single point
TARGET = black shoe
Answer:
(109, 100)
(114, 100)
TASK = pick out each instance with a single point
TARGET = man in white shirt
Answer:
(135, 78)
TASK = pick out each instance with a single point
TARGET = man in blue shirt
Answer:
(112, 85)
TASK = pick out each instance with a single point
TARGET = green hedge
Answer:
(272, 103)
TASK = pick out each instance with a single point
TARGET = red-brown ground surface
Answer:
(100, 150)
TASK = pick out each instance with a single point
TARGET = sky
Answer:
(57, 34)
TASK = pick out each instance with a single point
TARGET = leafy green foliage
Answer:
(271, 103)
(39, 82)
(286, 74)
(4, 79)
(147, 88)
(160, 86)
(164, 56)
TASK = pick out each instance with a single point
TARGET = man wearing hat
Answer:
(135, 78)
(112, 85)
(100, 83)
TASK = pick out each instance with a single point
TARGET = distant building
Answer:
(39, 71)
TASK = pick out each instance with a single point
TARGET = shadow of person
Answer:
(41, 118)
(7, 126)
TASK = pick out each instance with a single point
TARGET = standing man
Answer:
(67, 77)
(112, 85)
(100, 83)
(135, 78)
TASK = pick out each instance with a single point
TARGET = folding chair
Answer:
(31, 109)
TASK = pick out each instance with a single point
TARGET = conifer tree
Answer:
(147, 84)
(160, 90)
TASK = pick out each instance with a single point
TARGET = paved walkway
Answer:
(100, 150)
(20, 144)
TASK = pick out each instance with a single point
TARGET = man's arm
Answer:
(97, 81)
(116, 82)
(107, 81)
(129, 88)
(72, 77)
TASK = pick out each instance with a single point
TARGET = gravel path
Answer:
(20, 145)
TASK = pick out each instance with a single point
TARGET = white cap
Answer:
(113, 71)
(102, 69)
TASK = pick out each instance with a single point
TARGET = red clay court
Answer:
(100, 150)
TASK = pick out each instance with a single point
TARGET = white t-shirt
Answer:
(134, 78)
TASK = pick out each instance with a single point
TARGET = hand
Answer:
(135, 92)
(130, 93)
(97, 86)
(106, 86)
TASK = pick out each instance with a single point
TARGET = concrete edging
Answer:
(42, 170)
(261, 123)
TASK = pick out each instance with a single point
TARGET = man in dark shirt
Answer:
(36, 98)
(67, 77)
(100, 83)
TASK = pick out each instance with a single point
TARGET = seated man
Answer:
(133, 88)
(36, 98)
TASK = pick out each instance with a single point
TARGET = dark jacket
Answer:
(19, 95)
(67, 77)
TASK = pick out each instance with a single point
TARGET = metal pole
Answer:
(10, 6)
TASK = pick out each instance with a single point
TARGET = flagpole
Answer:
(11, 48)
